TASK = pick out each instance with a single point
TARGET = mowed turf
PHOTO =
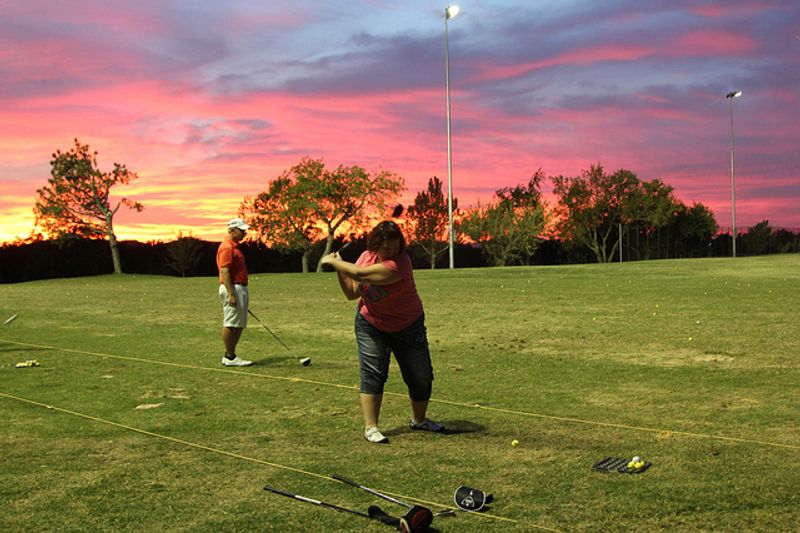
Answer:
(690, 364)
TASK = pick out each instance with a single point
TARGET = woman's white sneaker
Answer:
(236, 361)
(374, 435)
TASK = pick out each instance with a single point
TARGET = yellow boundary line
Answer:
(434, 400)
(244, 457)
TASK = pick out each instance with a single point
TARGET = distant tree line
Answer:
(189, 256)
(310, 209)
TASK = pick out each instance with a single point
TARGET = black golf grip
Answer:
(345, 480)
(278, 491)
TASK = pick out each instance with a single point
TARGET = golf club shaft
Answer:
(270, 331)
(314, 502)
(343, 479)
(371, 491)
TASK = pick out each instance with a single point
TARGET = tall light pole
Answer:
(449, 12)
(730, 96)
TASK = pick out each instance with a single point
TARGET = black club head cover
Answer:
(417, 519)
(470, 499)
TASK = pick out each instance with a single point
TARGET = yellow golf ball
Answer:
(515, 443)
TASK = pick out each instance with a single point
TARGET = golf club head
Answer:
(305, 361)
(417, 519)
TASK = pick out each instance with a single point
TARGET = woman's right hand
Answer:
(328, 259)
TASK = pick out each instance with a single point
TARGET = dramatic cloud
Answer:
(207, 101)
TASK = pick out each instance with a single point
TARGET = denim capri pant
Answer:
(410, 348)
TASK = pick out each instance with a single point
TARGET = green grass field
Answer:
(131, 424)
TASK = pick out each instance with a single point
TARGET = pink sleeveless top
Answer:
(392, 307)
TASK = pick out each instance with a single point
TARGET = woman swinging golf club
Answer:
(389, 318)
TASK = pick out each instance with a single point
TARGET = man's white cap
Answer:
(238, 223)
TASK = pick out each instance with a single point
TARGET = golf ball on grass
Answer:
(515, 443)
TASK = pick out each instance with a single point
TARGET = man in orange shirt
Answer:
(233, 293)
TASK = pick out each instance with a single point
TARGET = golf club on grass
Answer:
(11, 319)
(305, 361)
(389, 498)
(375, 512)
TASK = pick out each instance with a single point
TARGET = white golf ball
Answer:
(635, 459)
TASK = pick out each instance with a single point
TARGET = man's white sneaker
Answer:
(374, 435)
(427, 425)
(236, 361)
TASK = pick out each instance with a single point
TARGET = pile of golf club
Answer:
(416, 520)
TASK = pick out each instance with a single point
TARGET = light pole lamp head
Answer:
(451, 12)
(734, 94)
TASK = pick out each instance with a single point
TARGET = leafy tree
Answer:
(650, 206)
(76, 200)
(430, 218)
(508, 229)
(309, 202)
(524, 195)
(653, 203)
(695, 227)
(590, 208)
(283, 218)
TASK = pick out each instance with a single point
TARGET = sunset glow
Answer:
(206, 102)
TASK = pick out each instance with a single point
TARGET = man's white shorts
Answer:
(234, 317)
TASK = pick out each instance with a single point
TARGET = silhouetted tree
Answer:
(757, 240)
(695, 227)
(430, 218)
(184, 254)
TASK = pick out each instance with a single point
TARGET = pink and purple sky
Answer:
(208, 100)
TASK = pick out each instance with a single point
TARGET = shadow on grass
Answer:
(451, 427)
(16, 348)
(289, 360)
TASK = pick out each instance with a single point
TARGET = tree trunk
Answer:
(328, 248)
(112, 244)
(305, 261)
